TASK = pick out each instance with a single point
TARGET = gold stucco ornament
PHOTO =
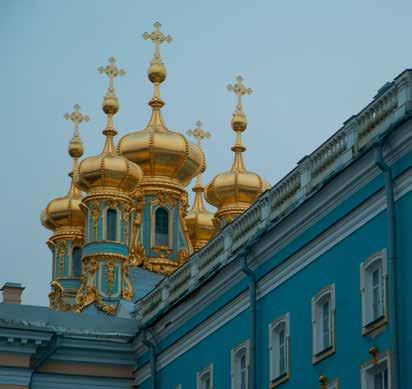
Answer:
(234, 191)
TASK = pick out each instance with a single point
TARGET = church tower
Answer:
(108, 179)
(65, 218)
(169, 162)
(234, 191)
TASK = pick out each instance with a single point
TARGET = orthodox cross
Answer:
(239, 89)
(111, 71)
(76, 117)
(198, 133)
(157, 37)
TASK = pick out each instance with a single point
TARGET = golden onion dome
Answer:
(65, 211)
(109, 170)
(233, 192)
(165, 156)
(199, 221)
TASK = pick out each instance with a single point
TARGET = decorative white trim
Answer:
(325, 294)
(365, 297)
(284, 319)
(199, 376)
(233, 362)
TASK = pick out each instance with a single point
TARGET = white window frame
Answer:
(274, 376)
(368, 368)
(318, 351)
(369, 323)
(233, 370)
(201, 373)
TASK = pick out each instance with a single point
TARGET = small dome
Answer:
(108, 170)
(64, 211)
(234, 191)
(199, 221)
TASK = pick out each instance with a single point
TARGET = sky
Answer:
(311, 65)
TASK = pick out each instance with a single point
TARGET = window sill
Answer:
(323, 354)
(279, 380)
(374, 326)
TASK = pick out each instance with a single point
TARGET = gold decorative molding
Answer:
(56, 301)
(110, 277)
(61, 255)
(137, 255)
(163, 199)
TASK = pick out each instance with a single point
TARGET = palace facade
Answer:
(303, 284)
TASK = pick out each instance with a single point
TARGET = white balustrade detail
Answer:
(393, 103)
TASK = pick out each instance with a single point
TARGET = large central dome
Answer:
(162, 154)
(165, 156)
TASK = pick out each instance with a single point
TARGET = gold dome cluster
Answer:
(166, 157)
(65, 212)
(109, 170)
(233, 192)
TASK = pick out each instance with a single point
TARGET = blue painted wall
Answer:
(340, 265)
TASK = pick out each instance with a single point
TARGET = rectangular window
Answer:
(205, 378)
(375, 375)
(373, 274)
(240, 366)
(279, 350)
(323, 323)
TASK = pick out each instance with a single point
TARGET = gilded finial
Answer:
(240, 90)
(110, 102)
(76, 144)
(157, 71)
(157, 37)
(76, 117)
(198, 133)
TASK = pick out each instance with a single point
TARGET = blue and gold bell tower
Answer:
(108, 179)
(169, 162)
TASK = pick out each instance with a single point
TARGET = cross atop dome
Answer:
(111, 71)
(240, 90)
(157, 37)
(198, 133)
(76, 117)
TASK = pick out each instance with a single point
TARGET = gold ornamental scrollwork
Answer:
(95, 213)
(127, 292)
(137, 255)
(61, 256)
(56, 301)
(162, 251)
(163, 199)
(182, 256)
(110, 277)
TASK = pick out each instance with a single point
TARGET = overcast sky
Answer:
(311, 64)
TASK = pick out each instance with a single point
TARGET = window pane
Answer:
(161, 227)
(205, 381)
(326, 338)
(243, 371)
(111, 224)
(282, 351)
(77, 261)
(377, 293)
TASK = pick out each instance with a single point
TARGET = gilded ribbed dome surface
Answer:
(199, 221)
(64, 211)
(234, 191)
(108, 170)
(163, 153)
